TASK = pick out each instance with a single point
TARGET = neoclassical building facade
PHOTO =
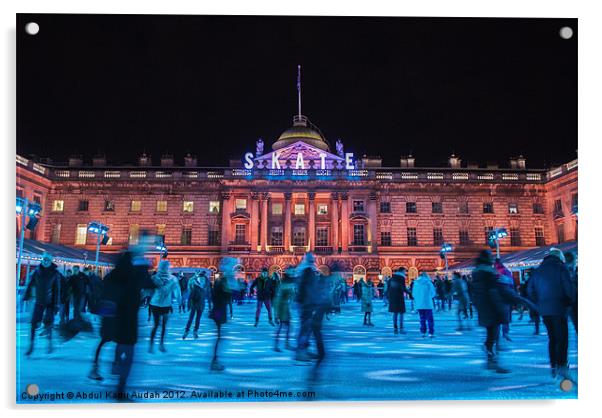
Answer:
(269, 208)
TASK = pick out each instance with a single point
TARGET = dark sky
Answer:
(487, 89)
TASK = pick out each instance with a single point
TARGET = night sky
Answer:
(486, 89)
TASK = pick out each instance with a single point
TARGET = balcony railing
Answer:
(299, 249)
(239, 247)
(358, 248)
(275, 249)
(323, 249)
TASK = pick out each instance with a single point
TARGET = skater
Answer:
(396, 291)
(460, 288)
(282, 306)
(45, 279)
(571, 265)
(65, 296)
(78, 284)
(367, 292)
(505, 279)
(221, 294)
(553, 292)
(307, 276)
(424, 292)
(183, 283)
(197, 289)
(533, 315)
(166, 286)
(263, 283)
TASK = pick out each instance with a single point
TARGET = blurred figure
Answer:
(533, 315)
(45, 279)
(222, 292)
(367, 292)
(506, 280)
(571, 265)
(307, 277)
(78, 285)
(263, 283)
(166, 286)
(197, 289)
(396, 291)
(282, 306)
(552, 290)
(183, 283)
(460, 288)
(65, 296)
(424, 292)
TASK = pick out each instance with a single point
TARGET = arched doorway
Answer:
(386, 272)
(276, 269)
(412, 274)
(324, 269)
(359, 272)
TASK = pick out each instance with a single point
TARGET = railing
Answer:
(275, 249)
(300, 249)
(357, 248)
(324, 250)
(239, 247)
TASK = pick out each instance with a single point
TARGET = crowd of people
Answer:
(549, 294)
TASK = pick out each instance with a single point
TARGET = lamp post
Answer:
(494, 238)
(101, 230)
(445, 248)
(25, 208)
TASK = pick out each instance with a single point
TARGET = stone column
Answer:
(254, 232)
(345, 221)
(312, 221)
(287, 221)
(334, 218)
(265, 197)
(226, 222)
(372, 222)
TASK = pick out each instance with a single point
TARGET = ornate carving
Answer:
(226, 195)
(335, 196)
(311, 195)
(373, 196)
(344, 196)
(288, 195)
(265, 196)
(255, 195)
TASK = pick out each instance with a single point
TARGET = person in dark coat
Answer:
(491, 299)
(552, 290)
(264, 286)
(282, 306)
(571, 265)
(460, 289)
(396, 290)
(222, 294)
(197, 289)
(533, 315)
(45, 279)
(78, 284)
(65, 296)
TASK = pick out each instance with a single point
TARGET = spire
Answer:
(299, 87)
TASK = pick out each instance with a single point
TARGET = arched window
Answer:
(386, 272)
(276, 269)
(324, 269)
(359, 272)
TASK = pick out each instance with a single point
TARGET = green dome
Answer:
(301, 131)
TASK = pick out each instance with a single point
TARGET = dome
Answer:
(302, 130)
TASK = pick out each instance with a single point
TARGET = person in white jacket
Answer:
(161, 302)
(424, 292)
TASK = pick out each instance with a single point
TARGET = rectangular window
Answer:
(385, 207)
(20, 193)
(437, 236)
(560, 232)
(186, 237)
(558, 212)
(322, 209)
(358, 205)
(135, 206)
(358, 234)
(299, 236)
(161, 232)
(463, 207)
(537, 208)
(188, 206)
(37, 199)
(161, 205)
(488, 229)
(81, 234)
(540, 240)
(299, 209)
(58, 205)
(411, 207)
(83, 206)
(213, 235)
(464, 237)
(241, 204)
(437, 207)
(276, 208)
(322, 236)
(214, 206)
(133, 234)
(515, 240)
(277, 237)
(240, 234)
(56, 234)
(385, 238)
(412, 238)
(109, 206)
(488, 207)
(574, 203)
(513, 208)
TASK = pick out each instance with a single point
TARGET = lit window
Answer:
(161, 205)
(133, 235)
(513, 208)
(214, 206)
(322, 209)
(58, 205)
(241, 204)
(161, 232)
(276, 208)
(136, 206)
(81, 234)
(56, 233)
(109, 206)
(188, 206)
(358, 234)
(299, 209)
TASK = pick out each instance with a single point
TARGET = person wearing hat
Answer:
(263, 283)
(553, 292)
(396, 290)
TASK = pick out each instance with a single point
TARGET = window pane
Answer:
(109, 206)
(276, 208)
(437, 207)
(162, 206)
(214, 206)
(358, 234)
(299, 209)
(411, 207)
(80, 234)
(358, 205)
(385, 207)
(188, 206)
(322, 209)
(322, 236)
(56, 233)
(385, 238)
(83, 206)
(133, 237)
(241, 204)
(512, 208)
(276, 235)
(412, 238)
(136, 206)
(57, 205)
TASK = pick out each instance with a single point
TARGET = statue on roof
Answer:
(259, 147)
(339, 146)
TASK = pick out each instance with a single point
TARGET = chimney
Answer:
(166, 160)
(454, 162)
(407, 161)
(99, 161)
(145, 160)
(372, 162)
(522, 163)
(76, 161)
(189, 161)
